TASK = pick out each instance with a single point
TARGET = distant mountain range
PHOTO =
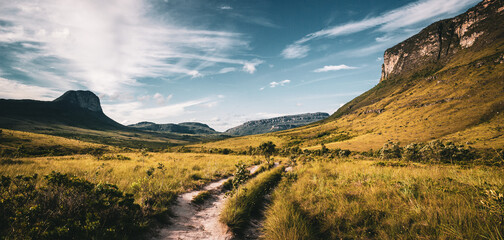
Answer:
(78, 114)
(276, 124)
(185, 128)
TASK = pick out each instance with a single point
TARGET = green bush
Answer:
(412, 152)
(390, 150)
(66, 207)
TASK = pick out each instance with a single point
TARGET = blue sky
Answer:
(217, 62)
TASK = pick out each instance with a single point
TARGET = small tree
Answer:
(267, 149)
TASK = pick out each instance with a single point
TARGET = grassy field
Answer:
(116, 195)
(363, 199)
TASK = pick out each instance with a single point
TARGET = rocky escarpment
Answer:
(185, 128)
(276, 124)
(74, 108)
(83, 99)
(439, 42)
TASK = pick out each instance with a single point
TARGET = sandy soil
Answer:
(199, 222)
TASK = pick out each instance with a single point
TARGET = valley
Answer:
(420, 155)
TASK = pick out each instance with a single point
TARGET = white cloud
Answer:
(250, 67)
(405, 16)
(281, 83)
(226, 7)
(133, 112)
(160, 99)
(227, 70)
(295, 51)
(14, 90)
(334, 68)
(106, 48)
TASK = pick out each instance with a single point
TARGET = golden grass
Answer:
(178, 173)
(460, 102)
(360, 200)
(13, 139)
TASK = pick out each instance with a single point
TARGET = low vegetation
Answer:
(248, 199)
(361, 199)
(100, 195)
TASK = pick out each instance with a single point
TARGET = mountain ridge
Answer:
(276, 124)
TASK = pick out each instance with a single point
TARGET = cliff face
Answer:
(438, 43)
(83, 99)
(276, 124)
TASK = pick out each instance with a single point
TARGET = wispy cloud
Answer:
(227, 70)
(405, 16)
(295, 51)
(333, 68)
(133, 112)
(107, 48)
(281, 83)
(226, 7)
(14, 90)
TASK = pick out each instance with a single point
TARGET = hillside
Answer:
(186, 127)
(446, 82)
(276, 124)
(78, 115)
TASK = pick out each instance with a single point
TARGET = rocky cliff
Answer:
(276, 124)
(435, 45)
(83, 99)
(74, 108)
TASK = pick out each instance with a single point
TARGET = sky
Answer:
(219, 62)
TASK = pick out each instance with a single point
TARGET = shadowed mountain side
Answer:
(186, 128)
(78, 115)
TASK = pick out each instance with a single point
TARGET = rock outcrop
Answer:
(439, 42)
(276, 124)
(83, 99)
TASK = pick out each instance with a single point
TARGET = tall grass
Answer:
(248, 199)
(361, 200)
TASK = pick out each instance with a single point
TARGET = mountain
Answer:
(446, 82)
(276, 124)
(185, 128)
(74, 108)
(78, 115)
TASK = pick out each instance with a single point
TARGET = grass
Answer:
(368, 200)
(248, 199)
(201, 197)
(152, 180)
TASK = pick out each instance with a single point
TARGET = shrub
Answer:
(412, 152)
(241, 175)
(390, 150)
(66, 208)
(449, 152)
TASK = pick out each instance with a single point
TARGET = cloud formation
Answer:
(106, 48)
(14, 90)
(405, 16)
(281, 83)
(333, 68)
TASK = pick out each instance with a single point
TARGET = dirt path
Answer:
(199, 222)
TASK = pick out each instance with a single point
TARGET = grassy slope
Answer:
(462, 101)
(362, 200)
(11, 139)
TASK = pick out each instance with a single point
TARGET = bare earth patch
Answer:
(199, 222)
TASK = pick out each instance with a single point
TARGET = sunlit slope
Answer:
(455, 93)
